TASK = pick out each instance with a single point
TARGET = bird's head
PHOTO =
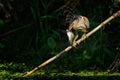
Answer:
(73, 19)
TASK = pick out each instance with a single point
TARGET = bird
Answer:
(78, 23)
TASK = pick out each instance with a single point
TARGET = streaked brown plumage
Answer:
(78, 23)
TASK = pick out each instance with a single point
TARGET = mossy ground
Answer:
(11, 71)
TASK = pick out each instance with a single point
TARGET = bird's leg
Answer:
(74, 41)
(84, 36)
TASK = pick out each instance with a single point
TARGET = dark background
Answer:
(32, 31)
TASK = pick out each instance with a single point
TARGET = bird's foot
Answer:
(74, 44)
(84, 36)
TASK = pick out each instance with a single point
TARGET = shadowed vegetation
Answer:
(32, 31)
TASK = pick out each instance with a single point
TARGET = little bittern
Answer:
(78, 23)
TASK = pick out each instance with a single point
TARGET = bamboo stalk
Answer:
(117, 14)
(48, 61)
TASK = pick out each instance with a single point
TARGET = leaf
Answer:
(86, 55)
(47, 16)
(53, 52)
(2, 45)
(1, 22)
(51, 42)
(55, 33)
(98, 60)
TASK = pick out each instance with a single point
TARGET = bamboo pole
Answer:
(117, 14)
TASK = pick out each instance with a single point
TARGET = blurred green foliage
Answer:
(11, 71)
(44, 38)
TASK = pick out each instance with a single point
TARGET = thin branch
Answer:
(62, 7)
(14, 30)
(117, 14)
(4, 9)
(116, 63)
(50, 3)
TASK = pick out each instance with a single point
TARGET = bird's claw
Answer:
(84, 36)
(74, 44)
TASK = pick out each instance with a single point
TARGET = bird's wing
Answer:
(86, 22)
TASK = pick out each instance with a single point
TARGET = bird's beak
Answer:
(71, 26)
